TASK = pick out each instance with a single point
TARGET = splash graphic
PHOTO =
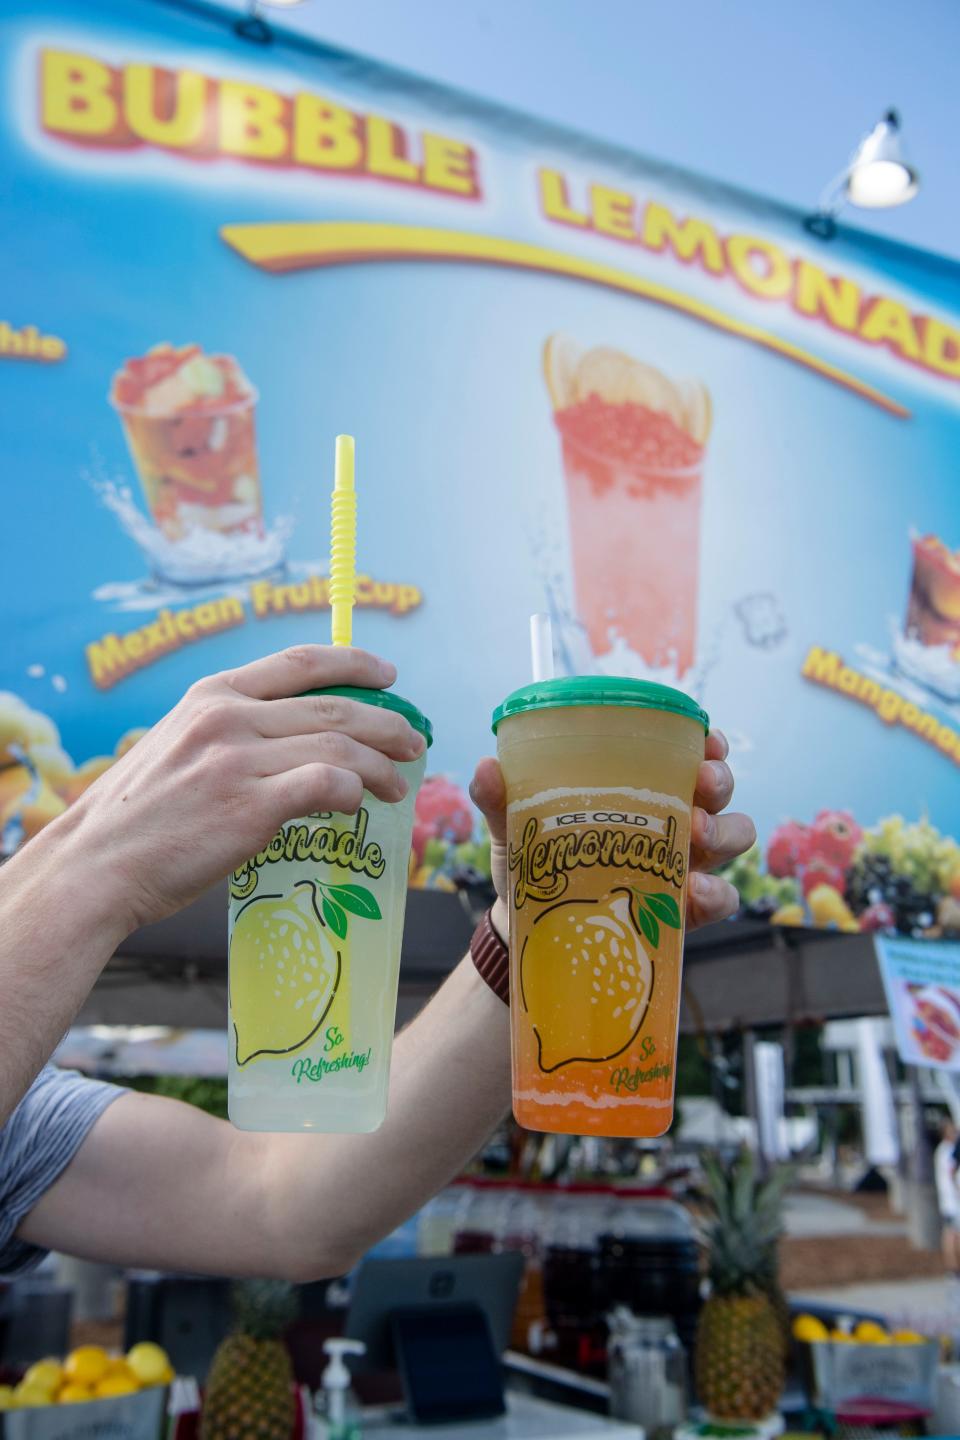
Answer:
(763, 622)
(933, 666)
(573, 654)
(201, 556)
(916, 671)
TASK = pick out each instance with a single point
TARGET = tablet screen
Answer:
(450, 1368)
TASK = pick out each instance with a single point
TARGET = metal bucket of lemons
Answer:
(90, 1392)
(853, 1363)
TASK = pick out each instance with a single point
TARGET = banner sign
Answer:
(719, 452)
(922, 982)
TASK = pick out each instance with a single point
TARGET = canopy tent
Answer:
(740, 974)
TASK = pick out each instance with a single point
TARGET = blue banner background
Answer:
(810, 492)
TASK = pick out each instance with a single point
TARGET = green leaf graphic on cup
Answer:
(649, 912)
(356, 899)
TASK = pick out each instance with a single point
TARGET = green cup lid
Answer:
(386, 700)
(599, 690)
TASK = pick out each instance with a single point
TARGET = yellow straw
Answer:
(343, 545)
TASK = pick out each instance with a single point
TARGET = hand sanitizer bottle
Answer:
(339, 1417)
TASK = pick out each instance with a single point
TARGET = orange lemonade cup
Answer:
(600, 774)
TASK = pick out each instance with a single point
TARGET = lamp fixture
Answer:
(876, 177)
(252, 25)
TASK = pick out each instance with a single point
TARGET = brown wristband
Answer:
(492, 958)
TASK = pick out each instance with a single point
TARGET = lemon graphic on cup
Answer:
(286, 962)
(586, 977)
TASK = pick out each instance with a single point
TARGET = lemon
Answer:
(30, 1397)
(86, 1365)
(113, 1385)
(907, 1337)
(285, 966)
(71, 1394)
(148, 1363)
(789, 915)
(828, 907)
(7, 1400)
(116, 1365)
(585, 980)
(809, 1329)
(868, 1332)
(44, 1375)
(561, 356)
(842, 1337)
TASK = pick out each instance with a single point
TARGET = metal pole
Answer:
(921, 1160)
(923, 1218)
(750, 1103)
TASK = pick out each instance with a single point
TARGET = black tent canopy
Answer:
(739, 974)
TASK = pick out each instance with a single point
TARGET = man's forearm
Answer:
(162, 1185)
(58, 928)
(450, 1086)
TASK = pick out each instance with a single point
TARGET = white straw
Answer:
(541, 647)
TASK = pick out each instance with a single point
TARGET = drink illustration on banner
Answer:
(928, 649)
(189, 422)
(633, 444)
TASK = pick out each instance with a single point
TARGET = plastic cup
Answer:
(600, 775)
(635, 546)
(198, 469)
(315, 932)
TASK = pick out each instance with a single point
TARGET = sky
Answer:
(769, 97)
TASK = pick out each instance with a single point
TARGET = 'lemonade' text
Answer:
(323, 844)
(542, 864)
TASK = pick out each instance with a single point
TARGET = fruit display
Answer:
(38, 779)
(445, 854)
(740, 1351)
(762, 893)
(893, 877)
(810, 1330)
(250, 1387)
(88, 1373)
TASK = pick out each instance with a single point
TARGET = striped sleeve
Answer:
(37, 1144)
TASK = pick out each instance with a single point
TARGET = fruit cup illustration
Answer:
(189, 422)
(933, 609)
(316, 924)
(600, 773)
(633, 445)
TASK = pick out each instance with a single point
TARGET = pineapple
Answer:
(249, 1393)
(740, 1349)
